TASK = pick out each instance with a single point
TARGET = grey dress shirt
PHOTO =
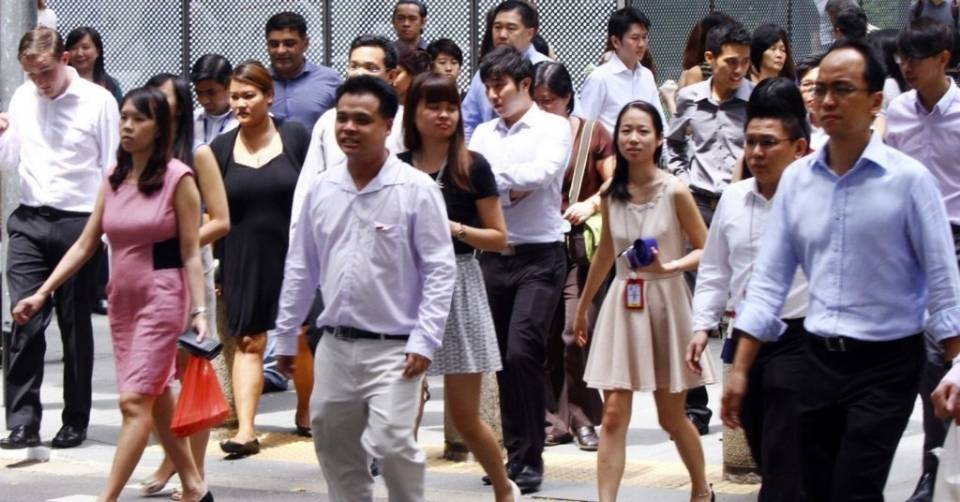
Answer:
(705, 138)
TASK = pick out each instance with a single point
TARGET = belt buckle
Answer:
(44, 211)
(835, 344)
(338, 333)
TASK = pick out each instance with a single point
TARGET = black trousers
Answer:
(697, 398)
(523, 291)
(769, 414)
(854, 407)
(38, 240)
(570, 404)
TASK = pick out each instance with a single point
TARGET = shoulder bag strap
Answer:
(580, 166)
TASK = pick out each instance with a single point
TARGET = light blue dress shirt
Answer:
(875, 244)
(305, 97)
(476, 107)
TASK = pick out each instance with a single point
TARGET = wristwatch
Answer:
(461, 232)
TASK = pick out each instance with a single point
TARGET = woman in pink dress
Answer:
(150, 210)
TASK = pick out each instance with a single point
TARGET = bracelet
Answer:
(198, 311)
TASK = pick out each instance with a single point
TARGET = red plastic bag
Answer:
(201, 404)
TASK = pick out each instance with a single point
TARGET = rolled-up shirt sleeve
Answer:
(301, 277)
(553, 151)
(773, 271)
(438, 271)
(713, 276)
(929, 231)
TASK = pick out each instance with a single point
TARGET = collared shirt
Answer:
(324, 153)
(400, 45)
(307, 96)
(705, 158)
(613, 85)
(530, 156)
(382, 258)
(874, 243)
(932, 137)
(206, 127)
(61, 147)
(727, 262)
(476, 107)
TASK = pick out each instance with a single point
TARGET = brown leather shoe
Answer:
(554, 440)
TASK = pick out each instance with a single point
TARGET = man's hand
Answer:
(946, 397)
(416, 365)
(4, 122)
(285, 366)
(733, 394)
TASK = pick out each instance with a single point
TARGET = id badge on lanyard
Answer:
(633, 294)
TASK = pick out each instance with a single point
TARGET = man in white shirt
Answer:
(924, 123)
(61, 133)
(776, 135)
(622, 79)
(528, 151)
(211, 79)
(373, 237)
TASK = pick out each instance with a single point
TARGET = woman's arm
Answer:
(493, 235)
(579, 212)
(214, 196)
(78, 254)
(186, 203)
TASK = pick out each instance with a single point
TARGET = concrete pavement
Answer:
(286, 469)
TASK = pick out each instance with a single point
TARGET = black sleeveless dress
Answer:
(252, 255)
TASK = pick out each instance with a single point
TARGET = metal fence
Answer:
(144, 37)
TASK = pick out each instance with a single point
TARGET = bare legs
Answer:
(248, 383)
(303, 380)
(612, 452)
(140, 413)
(462, 400)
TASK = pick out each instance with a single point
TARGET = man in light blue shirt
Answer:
(515, 23)
(868, 226)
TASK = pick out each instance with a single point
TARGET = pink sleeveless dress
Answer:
(147, 293)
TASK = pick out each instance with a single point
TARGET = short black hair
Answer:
(540, 44)
(807, 63)
(874, 72)
(445, 46)
(556, 77)
(779, 98)
(835, 6)
(726, 33)
(506, 61)
(287, 20)
(422, 7)
(368, 84)
(852, 23)
(528, 14)
(620, 21)
(211, 67)
(925, 37)
(390, 57)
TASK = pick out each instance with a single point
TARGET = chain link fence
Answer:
(144, 37)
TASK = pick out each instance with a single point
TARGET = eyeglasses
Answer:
(764, 143)
(910, 60)
(839, 90)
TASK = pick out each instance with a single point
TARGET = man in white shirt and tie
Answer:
(528, 150)
(373, 237)
(61, 133)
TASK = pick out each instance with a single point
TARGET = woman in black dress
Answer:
(260, 162)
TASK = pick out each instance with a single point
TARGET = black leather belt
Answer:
(847, 344)
(360, 334)
(52, 212)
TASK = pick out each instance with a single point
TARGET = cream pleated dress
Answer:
(644, 350)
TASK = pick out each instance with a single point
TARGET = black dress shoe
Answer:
(587, 438)
(21, 436)
(924, 490)
(512, 471)
(554, 440)
(241, 449)
(528, 479)
(69, 437)
(703, 428)
(301, 431)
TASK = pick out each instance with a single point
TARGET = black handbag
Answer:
(208, 348)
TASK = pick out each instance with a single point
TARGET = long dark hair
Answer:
(99, 70)
(765, 37)
(697, 40)
(885, 42)
(435, 88)
(183, 142)
(152, 103)
(621, 174)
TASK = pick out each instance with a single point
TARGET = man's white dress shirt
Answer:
(61, 147)
(611, 86)
(206, 127)
(382, 258)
